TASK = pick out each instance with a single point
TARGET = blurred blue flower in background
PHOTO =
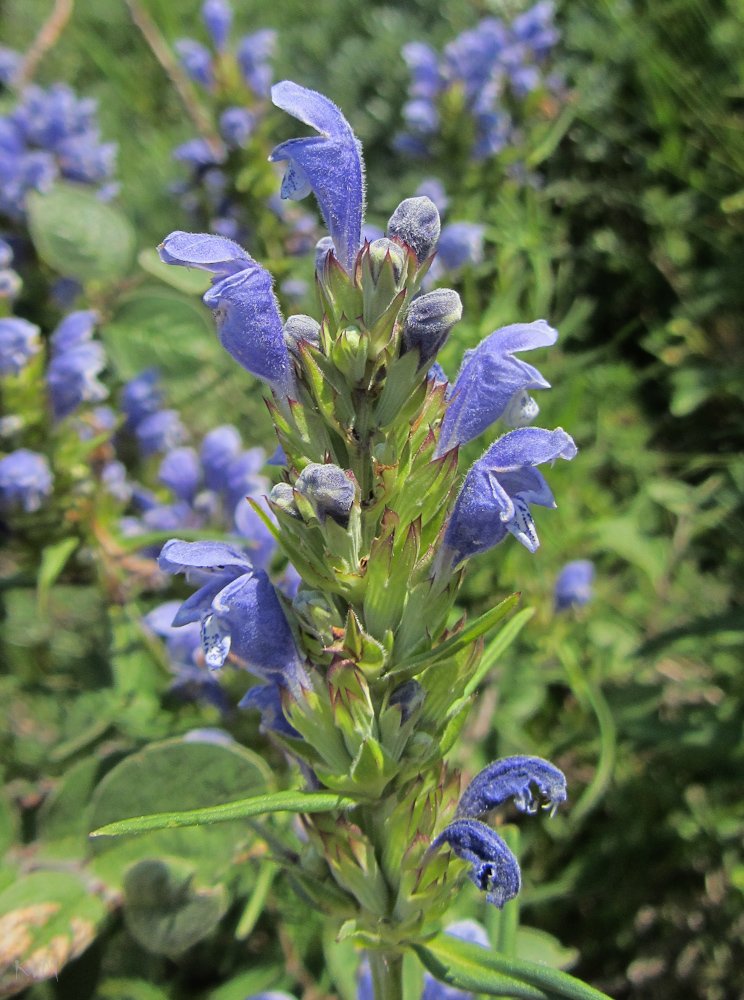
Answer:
(573, 587)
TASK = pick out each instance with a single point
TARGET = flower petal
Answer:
(495, 869)
(331, 165)
(513, 778)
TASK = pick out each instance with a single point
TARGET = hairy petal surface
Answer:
(513, 778)
(330, 165)
(494, 870)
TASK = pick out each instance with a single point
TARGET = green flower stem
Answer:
(387, 974)
(508, 925)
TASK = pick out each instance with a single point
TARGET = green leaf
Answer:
(78, 235)
(257, 901)
(164, 911)
(534, 945)
(129, 989)
(47, 918)
(53, 561)
(342, 959)
(459, 641)
(259, 979)
(479, 970)
(498, 646)
(192, 282)
(300, 802)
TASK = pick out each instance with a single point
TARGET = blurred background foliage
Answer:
(632, 243)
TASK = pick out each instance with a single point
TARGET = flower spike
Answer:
(512, 778)
(495, 869)
(329, 165)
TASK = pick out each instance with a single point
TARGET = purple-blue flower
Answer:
(160, 431)
(236, 126)
(423, 62)
(10, 64)
(141, 397)
(218, 449)
(199, 153)
(330, 165)
(243, 617)
(115, 481)
(253, 54)
(181, 471)
(71, 377)
(460, 243)
(513, 778)
(494, 870)
(249, 323)
(217, 16)
(432, 188)
(267, 698)
(492, 383)
(19, 341)
(25, 480)
(196, 60)
(573, 588)
(75, 329)
(498, 490)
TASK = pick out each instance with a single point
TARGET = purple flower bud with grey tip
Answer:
(196, 60)
(494, 870)
(415, 222)
(573, 588)
(330, 490)
(429, 322)
(301, 328)
(25, 480)
(513, 778)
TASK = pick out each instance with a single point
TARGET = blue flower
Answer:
(243, 618)
(71, 377)
(492, 384)
(242, 475)
(249, 323)
(253, 54)
(252, 527)
(329, 165)
(141, 397)
(423, 63)
(573, 587)
(494, 870)
(464, 930)
(236, 126)
(160, 431)
(181, 471)
(218, 449)
(432, 188)
(115, 481)
(217, 16)
(498, 490)
(421, 116)
(199, 153)
(10, 64)
(196, 60)
(267, 698)
(25, 480)
(513, 778)
(19, 341)
(460, 243)
(75, 329)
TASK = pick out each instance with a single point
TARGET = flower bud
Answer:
(299, 328)
(330, 491)
(429, 321)
(316, 614)
(379, 250)
(416, 223)
(282, 496)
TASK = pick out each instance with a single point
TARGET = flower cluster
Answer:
(237, 79)
(361, 680)
(484, 71)
(41, 388)
(51, 134)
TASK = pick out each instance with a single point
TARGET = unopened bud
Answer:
(299, 328)
(282, 496)
(330, 491)
(323, 247)
(429, 321)
(378, 253)
(416, 223)
(317, 614)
